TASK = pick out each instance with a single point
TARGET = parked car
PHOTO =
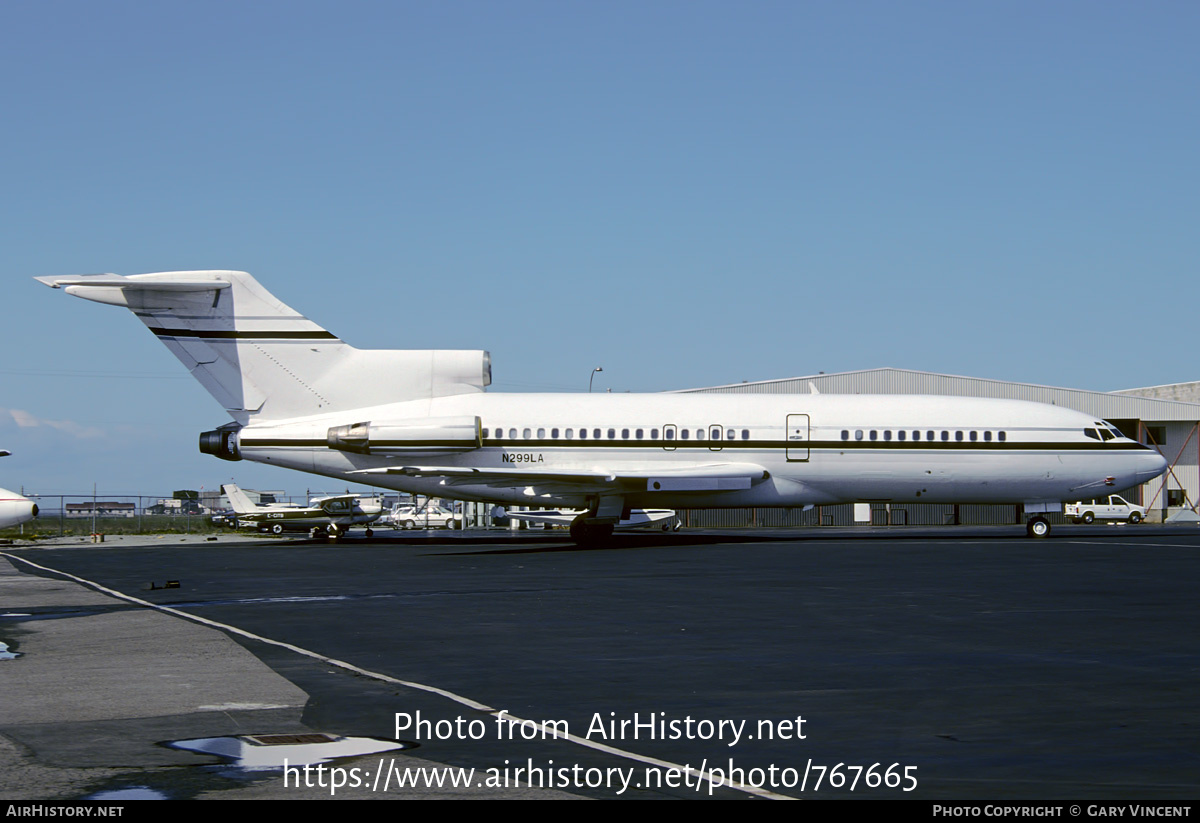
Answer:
(1113, 507)
(425, 517)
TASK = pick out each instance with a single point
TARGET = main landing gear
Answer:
(586, 532)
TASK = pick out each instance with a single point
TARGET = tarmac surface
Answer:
(967, 663)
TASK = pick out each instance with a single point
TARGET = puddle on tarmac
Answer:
(272, 751)
(132, 793)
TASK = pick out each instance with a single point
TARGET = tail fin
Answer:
(261, 358)
(238, 499)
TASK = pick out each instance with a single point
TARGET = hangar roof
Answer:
(1104, 405)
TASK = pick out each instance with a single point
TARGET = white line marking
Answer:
(457, 698)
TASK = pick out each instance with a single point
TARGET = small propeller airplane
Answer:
(323, 516)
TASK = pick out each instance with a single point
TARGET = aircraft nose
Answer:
(1152, 465)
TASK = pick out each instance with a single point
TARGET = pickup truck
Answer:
(1113, 507)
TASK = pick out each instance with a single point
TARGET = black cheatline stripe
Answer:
(705, 445)
(246, 335)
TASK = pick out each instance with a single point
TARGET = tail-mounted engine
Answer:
(430, 434)
(222, 443)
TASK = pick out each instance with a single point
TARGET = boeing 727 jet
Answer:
(422, 422)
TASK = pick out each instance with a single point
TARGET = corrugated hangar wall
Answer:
(1166, 417)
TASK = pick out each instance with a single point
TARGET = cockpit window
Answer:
(1091, 433)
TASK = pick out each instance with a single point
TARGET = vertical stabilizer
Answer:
(238, 499)
(260, 358)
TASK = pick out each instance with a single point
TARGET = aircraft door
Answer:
(797, 437)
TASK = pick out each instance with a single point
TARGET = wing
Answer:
(708, 477)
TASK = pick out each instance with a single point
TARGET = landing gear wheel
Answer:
(277, 528)
(1088, 517)
(586, 533)
(370, 532)
(1038, 527)
(1135, 518)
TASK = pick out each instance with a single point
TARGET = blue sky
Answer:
(685, 193)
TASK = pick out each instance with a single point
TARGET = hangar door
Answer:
(797, 437)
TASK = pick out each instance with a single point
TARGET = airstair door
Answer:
(797, 437)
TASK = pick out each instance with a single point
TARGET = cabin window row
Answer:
(930, 435)
(668, 433)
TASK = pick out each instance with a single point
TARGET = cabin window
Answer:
(624, 434)
(745, 434)
(887, 434)
(541, 434)
(670, 434)
(858, 434)
(845, 434)
(526, 434)
(595, 434)
(485, 434)
(554, 434)
(929, 435)
(654, 434)
(638, 434)
(1001, 436)
(874, 434)
(958, 436)
(987, 437)
(512, 434)
(684, 434)
(974, 436)
(612, 434)
(945, 436)
(570, 434)
(699, 434)
(900, 435)
(731, 435)
(583, 434)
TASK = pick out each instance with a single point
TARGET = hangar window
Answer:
(1156, 435)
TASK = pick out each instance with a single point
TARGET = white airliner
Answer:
(14, 508)
(422, 422)
(324, 515)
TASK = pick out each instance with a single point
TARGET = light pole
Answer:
(593, 377)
